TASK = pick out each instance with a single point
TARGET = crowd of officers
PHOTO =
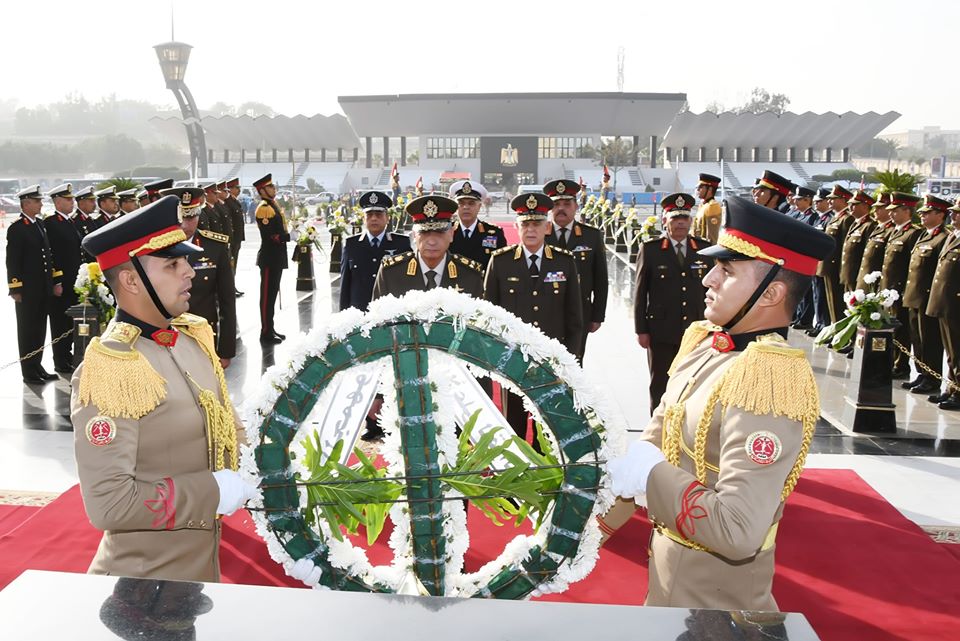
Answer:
(44, 257)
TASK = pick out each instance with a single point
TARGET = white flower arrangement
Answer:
(92, 289)
(425, 308)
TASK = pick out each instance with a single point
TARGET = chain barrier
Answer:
(38, 350)
(921, 366)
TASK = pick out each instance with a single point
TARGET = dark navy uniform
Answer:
(829, 269)
(103, 218)
(32, 274)
(65, 244)
(237, 218)
(271, 259)
(213, 294)
(360, 263)
(482, 238)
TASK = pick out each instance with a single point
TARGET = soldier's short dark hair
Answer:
(797, 284)
(113, 274)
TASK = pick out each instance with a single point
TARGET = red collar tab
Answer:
(722, 342)
(165, 337)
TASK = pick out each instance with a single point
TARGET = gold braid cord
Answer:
(769, 378)
(120, 383)
(221, 422)
(692, 337)
(673, 432)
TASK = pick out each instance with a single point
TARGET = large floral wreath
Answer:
(429, 537)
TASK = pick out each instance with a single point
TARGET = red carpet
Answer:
(846, 559)
(12, 516)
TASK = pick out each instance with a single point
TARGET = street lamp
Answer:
(173, 57)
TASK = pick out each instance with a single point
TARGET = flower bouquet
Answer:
(650, 228)
(92, 290)
(872, 310)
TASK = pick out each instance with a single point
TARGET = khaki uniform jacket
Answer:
(749, 458)
(896, 258)
(146, 480)
(945, 290)
(923, 265)
(401, 274)
(707, 222)
(873, 253)
(837, 229)
(550, 302)
(854, 246)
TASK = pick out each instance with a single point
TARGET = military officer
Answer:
(143, 198)
(944, 305)
(821, 315)
(925, 329)
(156, 435)
(210, 215)
(226, 217)
(669, 291)
(804, 212)
(877, 242)
(33, 280)
(706, 224)
(128, 201)
(829, 269)
(108, 206)
(272, 256)
(772, 190)
(896, 262)
(86, 205)
(473, 238)
(65, 245)
(586, 245)
(855, 242)
(431, 264)
(154, 188)
(727, 444)
(363, 253)
(236, 216)
(538, 283)
(212, 294)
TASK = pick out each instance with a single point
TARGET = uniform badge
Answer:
(680, 202)
(555, 277)
(373, 199)
(466, 189)
(581, 248)
(430, 209)
(532, 202)
(489, 241)
(186, 198)
(722, 342)
(101, 430)
(763, 448)
(561, 188)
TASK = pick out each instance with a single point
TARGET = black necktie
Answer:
(534, 270)
(680, 255)
(431, 279)
(374, 242)
(466, 233)
(563, 237)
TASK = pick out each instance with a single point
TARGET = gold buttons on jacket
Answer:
(536, 308)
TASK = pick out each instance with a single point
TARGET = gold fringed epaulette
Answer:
(503, 250)
(120, 383)
(197, 328)
(692, 337)
(265, 211)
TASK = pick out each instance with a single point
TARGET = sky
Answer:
(297, 57)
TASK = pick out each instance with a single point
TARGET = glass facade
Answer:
(453, 147)
(565, 147)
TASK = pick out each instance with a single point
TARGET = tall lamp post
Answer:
(173, 57)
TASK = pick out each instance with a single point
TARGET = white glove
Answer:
(305, 571)
(629, 473)
(234, 491)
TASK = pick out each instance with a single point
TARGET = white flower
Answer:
(875, 316)
(860, 295)
(871, 296)
(871, 278)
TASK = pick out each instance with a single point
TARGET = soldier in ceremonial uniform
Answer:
(944, 305)
(706, 224)
(108, 204)
(872, 260)
(212, 295)
(82, 218)
(472, 237)
(855, 242)
(210, 215)
(726, 446)
(33, 280)
(829, 269)
(669, 291)
(154, 188)
(65, 245)
(924, 329)
(805, 213)
(143, 198)
(431, 264)
(226, 217)
(156, 435)
(821, 315)
(128, 201)
(586, 245)
(236, 217)
(363, 253)
(272, 257)
(537, 282)
(896, 262)
(772, 190)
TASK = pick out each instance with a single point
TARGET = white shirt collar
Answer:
(439, 268)
(379, 238)
(471, 228)
(527, 253)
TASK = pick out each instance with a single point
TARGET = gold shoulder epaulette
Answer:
(265, 211)
(561, 250)
(504, 250)
(472, 264)
(212, 235)
(692, 336)
(119, 381)
(188, 320)
(389, 261)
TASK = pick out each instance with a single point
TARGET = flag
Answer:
(395, 176)
(419, 186)
(583, 185)
(606, 174)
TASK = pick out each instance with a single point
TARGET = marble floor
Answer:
(917, 469)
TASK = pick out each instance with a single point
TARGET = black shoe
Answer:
(238, 294)
(64, 368)
(911, 384)
(939, 398)
(899, 375)
(270, 339)
(34, 379)
(951, 404)
(47, 376)
(803, 327)
(282, 337)
(371, 436)
(846, 351)
(926, 387)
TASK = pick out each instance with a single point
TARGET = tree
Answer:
(122, 184)
(313, 186)
(222, 109)
(761, 101)
(112, 153)
(615, 152)
(895, 181)
(715, 107)
(253, 109)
